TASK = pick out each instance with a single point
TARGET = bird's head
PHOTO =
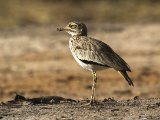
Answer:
(75, 29)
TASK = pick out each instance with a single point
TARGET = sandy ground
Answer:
(58, 108)
(36, 61)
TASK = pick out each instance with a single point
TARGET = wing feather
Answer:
(97, 51)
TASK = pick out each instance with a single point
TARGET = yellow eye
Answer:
(73, 26)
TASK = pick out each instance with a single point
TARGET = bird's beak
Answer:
(60, 29)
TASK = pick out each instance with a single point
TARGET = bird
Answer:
(94, 55)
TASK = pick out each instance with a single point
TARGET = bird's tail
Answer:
(127, 78)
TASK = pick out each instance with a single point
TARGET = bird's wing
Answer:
(96, 51)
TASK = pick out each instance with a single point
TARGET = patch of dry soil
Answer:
(59, 108)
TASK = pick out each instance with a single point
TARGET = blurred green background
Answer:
(44, 12)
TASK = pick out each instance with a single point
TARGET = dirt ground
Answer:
(58, 108)
(36, 61)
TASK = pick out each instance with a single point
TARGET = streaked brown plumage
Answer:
(93, 54)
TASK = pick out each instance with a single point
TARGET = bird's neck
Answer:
(76, 36)
(80, 34)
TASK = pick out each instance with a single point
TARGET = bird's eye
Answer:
(73, 26)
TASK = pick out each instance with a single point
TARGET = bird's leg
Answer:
(92, 101)
(93, 87)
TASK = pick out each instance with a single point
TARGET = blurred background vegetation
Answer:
(46, 12)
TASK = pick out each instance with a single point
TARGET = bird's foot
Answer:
(90, 103)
